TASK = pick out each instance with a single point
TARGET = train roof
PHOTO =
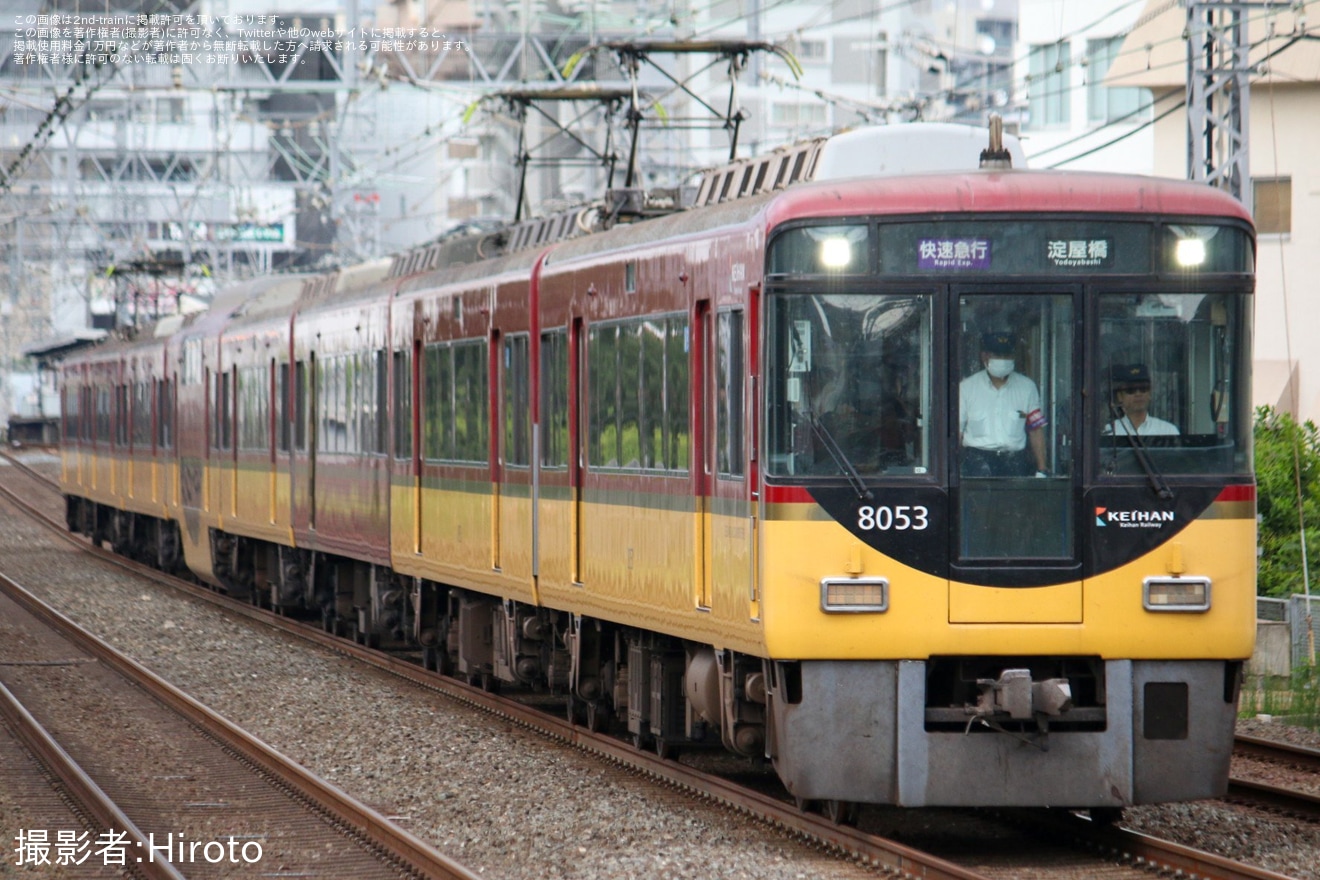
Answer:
(1006, 192)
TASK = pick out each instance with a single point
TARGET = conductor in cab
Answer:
(999, 416)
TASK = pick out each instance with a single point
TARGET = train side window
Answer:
(253, 393)
(435, 375)
(637, 386)
(329, 402)
(516, 401)
(602, 378)
(69, 407)
(141, 419)
(455, 417)
(729, 450)
(164, 414)
(402, 404)
(677, 433)
(103, 398)
(283, 424)
(121, 415)
(380, 405)
(224, 409)
(300, 406)
(554, 399)
(471, 402)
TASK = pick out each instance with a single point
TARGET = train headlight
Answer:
(1189, 252)
(1176, 594)
(854, 595)
(835, 253)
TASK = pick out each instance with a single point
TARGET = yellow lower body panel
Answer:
(928, 616)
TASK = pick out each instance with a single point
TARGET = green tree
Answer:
(1281, 445)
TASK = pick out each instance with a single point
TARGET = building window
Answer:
(1271, 205)
(1105, 104)
(793, 115)
(811, 50)
(1050, 84)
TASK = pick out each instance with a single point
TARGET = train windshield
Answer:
(1174, 384)
(853, 381)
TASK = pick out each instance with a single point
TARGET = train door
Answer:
(703, 466)
(1012, 470)
(498, 409)
(578, 442)
(406, 507)
(728, 529)
(277, 378)
(313, 435)
(231, 432)
(513, 521)
(302, 468)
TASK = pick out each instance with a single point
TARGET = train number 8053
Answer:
(898, 518)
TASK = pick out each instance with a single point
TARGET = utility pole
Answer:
(1218, 95)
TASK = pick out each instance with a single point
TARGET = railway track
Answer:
(1121, 851)
(182, 792)
(1302, 765)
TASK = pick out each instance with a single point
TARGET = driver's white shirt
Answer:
(1151, 427)
(997, 419)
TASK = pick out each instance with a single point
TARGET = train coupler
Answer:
(1016, 696)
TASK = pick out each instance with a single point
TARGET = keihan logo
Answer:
(1133, 519)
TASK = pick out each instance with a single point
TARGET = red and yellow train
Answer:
(710, 473)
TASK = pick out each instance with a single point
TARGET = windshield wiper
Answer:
(840, 457)
(1143, 458)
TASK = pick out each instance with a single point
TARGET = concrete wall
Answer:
(1273, 655)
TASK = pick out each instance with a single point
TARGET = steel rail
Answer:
(419, 856)
(1273, 797)
(1277, 752)
(1163, 857)
(103, 811)
(29, 470)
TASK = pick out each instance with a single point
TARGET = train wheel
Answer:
(665, 749)
(804, 805)
(430, 659)
(841, 812)
(642, 741)
(598, 716)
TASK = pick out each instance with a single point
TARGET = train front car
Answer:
(1008, 512)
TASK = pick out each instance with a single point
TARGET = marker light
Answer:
(835, 253)
(1176, 594)
(854, 595)
(1190, 252)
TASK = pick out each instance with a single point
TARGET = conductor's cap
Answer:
(1129, 374)
(1001, 344)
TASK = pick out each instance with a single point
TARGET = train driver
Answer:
(1000, 419)
(1131, 384)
